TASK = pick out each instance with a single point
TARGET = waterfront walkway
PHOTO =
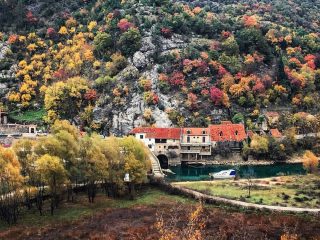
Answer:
(219, 200)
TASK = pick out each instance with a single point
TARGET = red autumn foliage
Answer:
(205, 92)
(202, 67)
(155, 99)
(250, 21)
(124, 25)
(222, 71)
(258, 87)
(192, 100)
(90, 95)
(294, 63)
(238, 76)
(51, 32)
(177, 79)
(310, 59)
(166, 32)
(216, 95)
(61, 74)
(31, 18)
(12, 38)
(311, 64)
(226, 34)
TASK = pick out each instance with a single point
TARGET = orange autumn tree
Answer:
(310, 162)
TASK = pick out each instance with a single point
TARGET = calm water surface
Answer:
(199, 173)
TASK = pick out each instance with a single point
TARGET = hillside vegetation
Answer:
(121, 64)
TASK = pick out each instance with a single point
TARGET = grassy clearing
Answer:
(298, 191)
(68, 212)
(30, 116)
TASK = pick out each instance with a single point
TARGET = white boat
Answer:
(225, 174)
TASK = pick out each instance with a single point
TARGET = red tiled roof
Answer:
(158, 133)
(227, 132)
(142, 130)
(275, 133)
(195, 131)
(223, 132)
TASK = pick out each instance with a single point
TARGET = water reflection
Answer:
(197, 173)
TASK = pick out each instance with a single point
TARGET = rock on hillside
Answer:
(121, 121)
(7, 69)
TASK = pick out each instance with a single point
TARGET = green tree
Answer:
(102, 43)
(130, 41)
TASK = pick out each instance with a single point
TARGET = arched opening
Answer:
(164, 161)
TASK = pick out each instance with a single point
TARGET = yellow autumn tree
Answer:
(310, 162)
(65, 99)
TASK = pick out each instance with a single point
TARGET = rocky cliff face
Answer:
(118, 121)
(7, 69)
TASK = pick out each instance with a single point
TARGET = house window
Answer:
(236, 133)
(141, 136)
(220, 134)
(164, 147)
(204, 132)
(203, 139)
(189, 148)
(188, 139)
(188, 132)
(32, 130)
(150, 146)
(149, 139)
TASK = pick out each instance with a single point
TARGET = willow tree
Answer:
(24, 150)
(93, 164)
(52, 172)
(114, 179)
(63, 143)
(136, 161)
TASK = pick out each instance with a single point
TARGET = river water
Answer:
(200, 173)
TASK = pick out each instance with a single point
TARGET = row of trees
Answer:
(64, 162)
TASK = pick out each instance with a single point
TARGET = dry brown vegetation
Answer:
(139, 221)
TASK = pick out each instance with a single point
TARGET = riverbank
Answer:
(239, 162)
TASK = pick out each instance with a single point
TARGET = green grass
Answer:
(30, 116)
(69, 212)
(302, 191)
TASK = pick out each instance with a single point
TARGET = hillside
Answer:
(112, 65)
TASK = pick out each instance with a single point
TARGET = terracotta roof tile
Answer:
(227, 132)
(158, 133)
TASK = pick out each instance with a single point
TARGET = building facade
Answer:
(173, 145)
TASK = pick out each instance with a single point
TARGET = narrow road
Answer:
(213, 199)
